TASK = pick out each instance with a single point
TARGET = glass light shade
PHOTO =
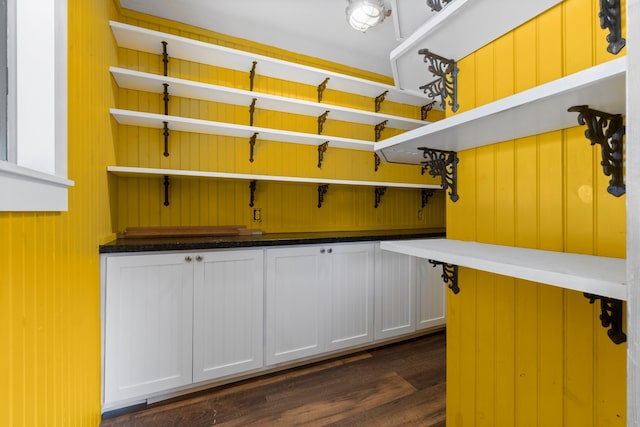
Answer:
(364, 14)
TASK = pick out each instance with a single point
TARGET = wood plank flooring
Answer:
(400, 384)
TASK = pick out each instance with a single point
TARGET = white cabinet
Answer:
(431, 292)
(175, 319)
(318, 298)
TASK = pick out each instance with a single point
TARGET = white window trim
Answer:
(25, 183)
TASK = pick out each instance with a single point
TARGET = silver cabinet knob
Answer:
(322, 251)
(198, 257)
(187, 258)
(329, 250)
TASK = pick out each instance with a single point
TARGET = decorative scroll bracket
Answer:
(437, 5)
(252, 109)
(321, 87)
(252, 192)
(379, 99)
(607, 130)
(165, 56)
(376, 162)
(379, 128)
(446, 83)
(166, 184)
(424, 110)
(252, 74)
(426, 195)
(252, 144)
(322, 190)
(165, 133)
(322, 148)
(321, 119)
(379, 192)
(449, 274)
(165, 98)
(610, 317)
(611, 19)
(443, 164)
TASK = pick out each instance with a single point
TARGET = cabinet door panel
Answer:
(228, 315)
(148, 313)
(431, 304)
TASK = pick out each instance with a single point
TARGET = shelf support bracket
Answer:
(379, 99)
(437, 5)
(252, 74)
(322, 148)
(426, 195)
(252, 192)
(166, 184)
(252, 144)
(321, 119)
(165, 133)
(449, 274)
(607, 130)
(165, 57)
(379, 192)
(376, 162)
(446, 83)
(424, 110)
(443, 164)
(610, 18)
(165, 98)
(321, 87)
(379, 128)
(252, 109)
(322, 190)
(610, 317)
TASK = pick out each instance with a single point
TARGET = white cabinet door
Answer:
(148, 316)
(228, 314)
(395, 294)
(350, 295)
(431, 293)
(294, 310)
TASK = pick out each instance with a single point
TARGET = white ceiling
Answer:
(316, 28)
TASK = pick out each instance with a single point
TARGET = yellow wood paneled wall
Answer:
(284, 207)
(49, 290)
(521, 353)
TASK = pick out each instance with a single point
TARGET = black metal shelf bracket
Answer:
(165, 133)
(424, 110)
(252, 109)
(252, 144)
(165, 98)
(165, 56)
(321, 119)
(446, 83)
(322, 148)
(321, 87)
(379, 192)
(252, 192)
(376, 162)
(322, 191)
(252, 74)
(443, 164)
(437, 5)
(449, 274)
(426, 195)
(611, 19)
(610, 317)
(166, 184)
(607, 130)
(379, 99)
(379, 128)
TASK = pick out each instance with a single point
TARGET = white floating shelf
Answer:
(183, 124)
(462, 27)
(130, 79)
(585, 273)
(531, 112)
(145, 40)
(152, 172)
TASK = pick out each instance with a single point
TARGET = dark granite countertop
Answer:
(268, 239)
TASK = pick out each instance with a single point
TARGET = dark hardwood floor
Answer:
(400, 384)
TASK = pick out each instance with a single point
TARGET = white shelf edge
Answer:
(184, 124)
(135, 171)
(530, 112)
(137, 80)
(142, 39)
(597, 275)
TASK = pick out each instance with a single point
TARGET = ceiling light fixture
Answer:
(364, 14)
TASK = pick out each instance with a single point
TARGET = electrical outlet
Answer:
(419, 214)
(257, 215)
